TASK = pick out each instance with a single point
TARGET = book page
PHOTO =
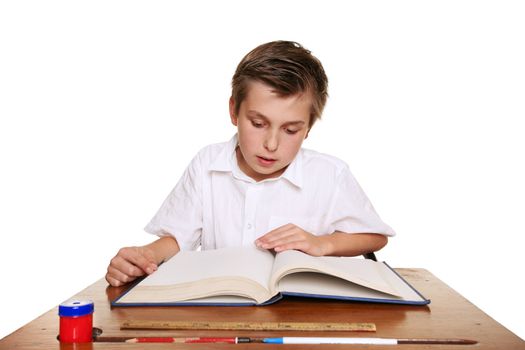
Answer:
(191, 275)
(363, 272)
(189, 266)
(319, 284)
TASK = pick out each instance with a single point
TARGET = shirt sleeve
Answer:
(351, 210)
(180, 215)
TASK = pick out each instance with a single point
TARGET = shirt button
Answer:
(249, 226)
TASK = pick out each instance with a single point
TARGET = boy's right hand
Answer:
(130, 263)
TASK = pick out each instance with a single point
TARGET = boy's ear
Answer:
(233, 117)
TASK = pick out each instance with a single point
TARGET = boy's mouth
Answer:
(266, 161)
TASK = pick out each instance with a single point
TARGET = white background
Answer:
(103, 104)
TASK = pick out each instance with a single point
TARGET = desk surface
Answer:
(448, 316)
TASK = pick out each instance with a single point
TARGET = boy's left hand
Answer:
(290, 236)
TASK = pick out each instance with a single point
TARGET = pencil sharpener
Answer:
(76, 321)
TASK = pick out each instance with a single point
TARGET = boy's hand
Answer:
(130, 263)
(290, 236)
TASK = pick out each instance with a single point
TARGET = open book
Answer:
(251, 276)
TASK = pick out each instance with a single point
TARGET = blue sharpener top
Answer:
(75, 308)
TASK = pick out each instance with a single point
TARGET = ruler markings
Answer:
(259, 326)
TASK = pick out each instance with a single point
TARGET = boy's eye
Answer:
(257, 124)
(291, 131)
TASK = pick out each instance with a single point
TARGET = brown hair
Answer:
(287, 67)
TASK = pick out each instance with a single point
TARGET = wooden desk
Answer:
(448, 316)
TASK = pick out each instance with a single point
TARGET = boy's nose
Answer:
(271, 142)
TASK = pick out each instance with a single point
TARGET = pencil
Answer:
(290, 340)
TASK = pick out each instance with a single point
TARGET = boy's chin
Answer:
(268, 173)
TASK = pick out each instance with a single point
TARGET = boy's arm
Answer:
(164, 248)
(133, 262)
(338, 243)
(353, 244)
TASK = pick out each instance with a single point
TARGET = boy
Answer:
(261, 187)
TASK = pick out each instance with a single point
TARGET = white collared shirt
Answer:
(216, 205)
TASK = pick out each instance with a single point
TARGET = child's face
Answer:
(271, 130)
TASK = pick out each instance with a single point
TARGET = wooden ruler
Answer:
(250, 326)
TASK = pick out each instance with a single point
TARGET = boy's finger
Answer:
(293, 244)
(291, 233)
(126, 267)
(120, 276)
(137, 258)
(113, 281)
(289, 238)
(276, 233)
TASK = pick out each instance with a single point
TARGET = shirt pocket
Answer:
(314, 225)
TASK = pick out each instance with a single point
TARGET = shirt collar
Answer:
(294, 172)
(226, 161)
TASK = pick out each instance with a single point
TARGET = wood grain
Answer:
(448, 316)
